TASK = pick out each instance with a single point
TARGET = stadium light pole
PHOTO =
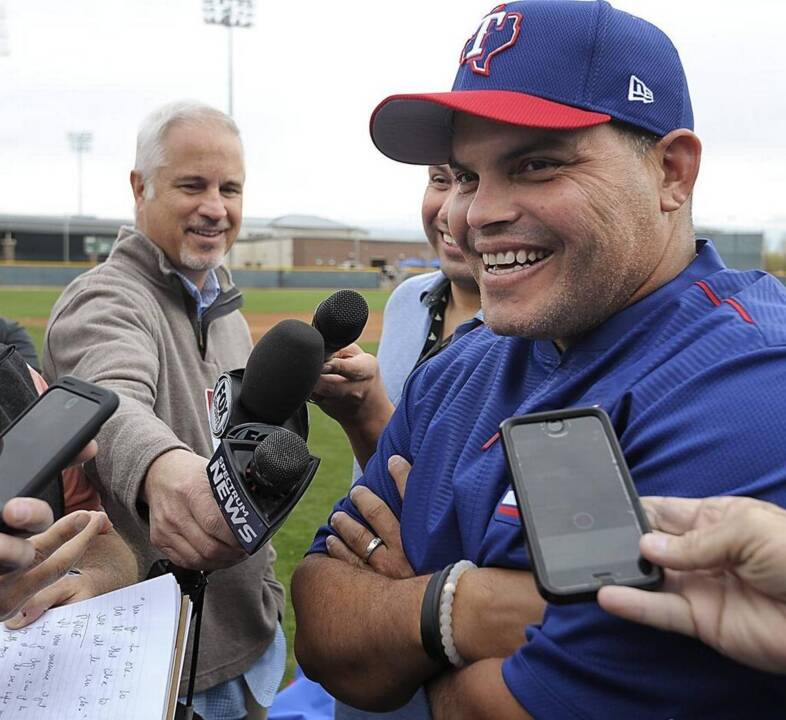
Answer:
(80, 143)
(230, 14)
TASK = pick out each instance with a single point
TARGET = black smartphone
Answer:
(49, 434)
(579, 507)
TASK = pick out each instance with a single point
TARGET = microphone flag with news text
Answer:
(261, 466)
(261, 421)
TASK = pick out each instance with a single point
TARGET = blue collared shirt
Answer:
(227, 702)
(207, 296)
(405, 326)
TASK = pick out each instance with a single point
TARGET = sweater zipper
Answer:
(201, 336)
(226, 303)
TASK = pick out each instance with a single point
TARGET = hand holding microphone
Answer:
(258, 472)
(350, 388)
(186, 523)
(349, 374)
(262, 465)
(351, 391)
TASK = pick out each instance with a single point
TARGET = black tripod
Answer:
(193, 584)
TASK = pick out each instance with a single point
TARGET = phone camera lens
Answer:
(555, 427)
(645, 566)
(583, 520)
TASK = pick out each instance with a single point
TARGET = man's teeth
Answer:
(522, 258)
(448, 240)
(206, 233)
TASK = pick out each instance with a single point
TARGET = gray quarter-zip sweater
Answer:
(130, 325)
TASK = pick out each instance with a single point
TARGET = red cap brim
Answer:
(417, 129)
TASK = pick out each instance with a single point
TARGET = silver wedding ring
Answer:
(373, 544)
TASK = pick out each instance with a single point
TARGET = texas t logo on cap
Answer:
(498, 31)
(557, 64)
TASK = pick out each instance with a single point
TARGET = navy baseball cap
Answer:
(559, 64)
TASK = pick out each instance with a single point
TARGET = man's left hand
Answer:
(353, 537)
(71, 588)
(34, 588)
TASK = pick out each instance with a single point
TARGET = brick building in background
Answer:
(290, 241)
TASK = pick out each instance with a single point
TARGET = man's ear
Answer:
(137, 185)
(679, 154)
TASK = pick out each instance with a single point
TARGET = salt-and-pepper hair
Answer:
(151, 138)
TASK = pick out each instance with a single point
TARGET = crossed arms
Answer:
(358, 624)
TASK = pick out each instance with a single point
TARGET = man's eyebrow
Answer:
(200, 179)
(542, 144)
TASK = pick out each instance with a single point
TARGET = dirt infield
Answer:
(260, 323)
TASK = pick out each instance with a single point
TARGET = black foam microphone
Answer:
(264, 407)
(257, 482)
(278, 463)
(340, 319)
(279, 377)
(281, 372)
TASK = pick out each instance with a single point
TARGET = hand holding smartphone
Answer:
(580, 510)
(49, 434)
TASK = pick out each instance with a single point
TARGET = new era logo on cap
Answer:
(638, 91)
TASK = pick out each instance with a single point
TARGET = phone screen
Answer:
(39, 435)
(583, 517)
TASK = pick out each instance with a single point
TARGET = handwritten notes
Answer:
(108, 657)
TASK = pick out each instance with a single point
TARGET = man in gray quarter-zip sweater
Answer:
(157, 323)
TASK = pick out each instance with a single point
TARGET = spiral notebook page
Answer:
(108, 657)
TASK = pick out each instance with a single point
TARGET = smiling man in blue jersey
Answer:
(570, 133)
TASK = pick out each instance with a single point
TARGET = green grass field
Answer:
(327, 441)
(35, 303)
(298, 301)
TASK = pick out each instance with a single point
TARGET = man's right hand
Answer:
(186, 523)
(350, 390)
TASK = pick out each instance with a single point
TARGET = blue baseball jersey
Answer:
(691, 377)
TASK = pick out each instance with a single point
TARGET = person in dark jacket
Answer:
(12, 333)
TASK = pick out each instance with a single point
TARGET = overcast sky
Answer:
(307, 76)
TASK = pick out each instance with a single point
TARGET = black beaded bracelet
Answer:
(430, 635)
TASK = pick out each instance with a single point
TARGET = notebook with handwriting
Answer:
(115, 656)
